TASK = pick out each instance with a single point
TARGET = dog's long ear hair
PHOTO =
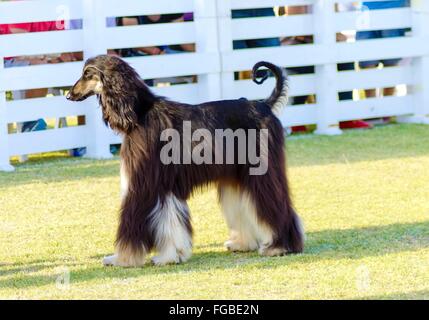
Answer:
(124, 98)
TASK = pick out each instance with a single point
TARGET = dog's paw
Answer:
(164, 260)
(116, 261)
(184, 254)
(236, 246)
(272, 252)
(110, 261)
(178, 257)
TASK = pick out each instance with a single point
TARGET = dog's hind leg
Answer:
(240, 214)
(172, 230)
(274, 211)
(240, 238)
(124, 182)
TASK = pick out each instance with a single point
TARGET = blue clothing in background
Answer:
(254, 43)
(379, 34)
(252, 13)
(375, 5)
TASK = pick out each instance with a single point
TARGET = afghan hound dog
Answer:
(156, 184)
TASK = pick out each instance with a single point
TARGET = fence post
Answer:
(94, 23)
(225, 46)
(207, 42)
(420, 10)
(326, 75)
(4, 134)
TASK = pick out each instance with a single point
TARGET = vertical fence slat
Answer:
(94, 24)
(225, 45)
(4, 135)
(420, 65)
(326, 75)
(207, 42)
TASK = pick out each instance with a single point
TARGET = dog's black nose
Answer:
(68, 96)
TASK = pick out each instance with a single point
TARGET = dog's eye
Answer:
(87, 76)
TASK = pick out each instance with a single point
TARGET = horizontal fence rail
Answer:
(218, 66)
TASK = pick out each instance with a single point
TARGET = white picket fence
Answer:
(213, 31)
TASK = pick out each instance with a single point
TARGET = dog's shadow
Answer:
(321, 245)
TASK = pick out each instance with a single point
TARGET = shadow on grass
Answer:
(322, 245)
(413, 295)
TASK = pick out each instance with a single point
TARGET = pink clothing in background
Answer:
(4, 29)
(39, 26)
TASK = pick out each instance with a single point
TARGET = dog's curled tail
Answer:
(279, 97)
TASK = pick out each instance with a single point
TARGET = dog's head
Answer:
(122, 93)
(92, 80)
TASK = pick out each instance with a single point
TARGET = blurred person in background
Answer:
(349, 66)
(309, 39)
(10, 62)
(152, 19)
(379, 34)
(254, 43)
(160, 49)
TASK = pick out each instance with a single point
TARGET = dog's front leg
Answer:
(126, 257)
(131, 248)
(171, 226)
(135, 237)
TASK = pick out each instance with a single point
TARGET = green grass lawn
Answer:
(363, 196)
